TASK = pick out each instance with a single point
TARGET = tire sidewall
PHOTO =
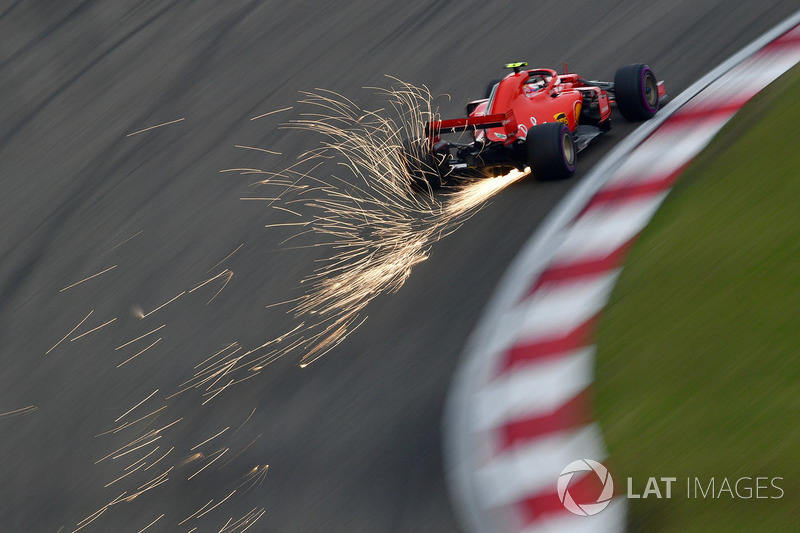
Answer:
(548, 150)
(566, 137)
(644, 73)
(630, 87)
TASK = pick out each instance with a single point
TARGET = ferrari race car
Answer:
(536, 118)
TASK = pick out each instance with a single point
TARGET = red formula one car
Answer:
(536, 118)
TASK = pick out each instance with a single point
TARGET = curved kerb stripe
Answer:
(519, 408)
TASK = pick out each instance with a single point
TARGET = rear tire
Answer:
(636, 92)
(551, 151)
(421, 165)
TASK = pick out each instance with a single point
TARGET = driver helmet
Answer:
(536, 83)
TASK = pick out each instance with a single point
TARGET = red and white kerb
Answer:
(527, 414)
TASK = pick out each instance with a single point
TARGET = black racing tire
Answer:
(636, 92)
(491, 85)
(425, 174)
(551, 151)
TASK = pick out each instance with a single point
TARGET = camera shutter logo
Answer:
(585, 509)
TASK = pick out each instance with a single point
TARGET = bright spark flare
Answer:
(254, 477)
(375, 225)
(70, 332)
(123, 242)
(104, 324)
(140, 337)
(145, 315)
(226, 258)
(209, 439)
(137, 354)
(31, 409)
(151, 523)
(271, 113)
(156, 126)
(87, 279)
(137, 405)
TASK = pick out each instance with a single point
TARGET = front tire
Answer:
(551, 151)
(636, 92)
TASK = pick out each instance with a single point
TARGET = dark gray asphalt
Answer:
(353, 441)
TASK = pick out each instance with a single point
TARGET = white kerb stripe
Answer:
(748, 78)
(793, 34)
(536, 389)
(603, 230)
(552, 310)
(527, 470)
(558, 309)
(665, 152)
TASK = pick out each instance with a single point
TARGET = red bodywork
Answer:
(516, 125)
(527, 98)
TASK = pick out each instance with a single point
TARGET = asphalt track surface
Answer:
(353, 441)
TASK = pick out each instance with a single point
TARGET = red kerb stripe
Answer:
(556, 344)
(583, 489)
(592, 266)
(699, 113)
(574, 413)
(624, 192)
(791, 37)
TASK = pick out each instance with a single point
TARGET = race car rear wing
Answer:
(457, 125)
(507, 121)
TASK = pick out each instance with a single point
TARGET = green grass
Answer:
(698, 366)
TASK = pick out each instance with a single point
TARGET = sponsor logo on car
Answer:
(603, 105)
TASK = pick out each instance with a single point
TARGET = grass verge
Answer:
(698, 366)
